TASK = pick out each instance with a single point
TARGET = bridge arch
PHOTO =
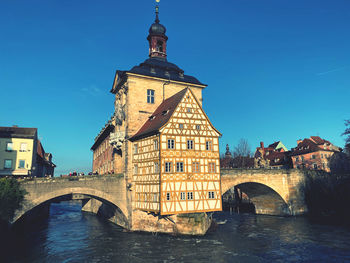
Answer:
(104, 197)
(267, 197)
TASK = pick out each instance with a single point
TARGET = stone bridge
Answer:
(106, 191)
(273, 192)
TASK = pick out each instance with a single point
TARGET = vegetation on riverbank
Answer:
(327, 196)
(11, 198)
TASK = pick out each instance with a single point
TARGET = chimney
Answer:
(262, 145)
(299, 141)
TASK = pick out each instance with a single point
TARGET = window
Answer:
(181, 125)
(135, 169)
(313, 156)
(9, 146)
(180, 167)
(168, 196)
(297, 159)
(188, 110)
(168, 167)
(198, 127)
(195, 167)
(315, 166)
(160, 46)
(321, 155)
(156, 167)
(190, 196)
(211, 167)
(8, 164)
(135, 148)
(171, 144)
(155, 198)
(208, 145)
(150, 96)
(189, 144)
(183, 196)
(302, 158)
(21, 164)
(211, 195)
(155, 145)
(23, 147)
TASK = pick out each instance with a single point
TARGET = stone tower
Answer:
(140, 90)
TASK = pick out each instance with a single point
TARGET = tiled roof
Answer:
(277, 158)
(159, 68)
(43, 156)
(318, 140)
(18, 132)
(308, 146)
(160, 117)
(100, 138)
(274, 145)
(40, 150)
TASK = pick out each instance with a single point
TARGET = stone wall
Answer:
(183, 224)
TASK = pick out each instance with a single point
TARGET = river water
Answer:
(69, 235)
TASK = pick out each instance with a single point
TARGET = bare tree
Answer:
(241, 154)
(242, 148)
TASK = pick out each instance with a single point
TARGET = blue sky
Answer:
(276, 70)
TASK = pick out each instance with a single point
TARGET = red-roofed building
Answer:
(275, 156)
(313, 153)
(45, 166)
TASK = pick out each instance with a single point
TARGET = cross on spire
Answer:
(157, 12)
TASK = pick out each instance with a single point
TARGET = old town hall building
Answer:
(159, 136)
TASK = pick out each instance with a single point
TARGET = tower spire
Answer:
(157, 38)
(157, 12)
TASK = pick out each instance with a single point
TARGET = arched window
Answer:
(160, 46)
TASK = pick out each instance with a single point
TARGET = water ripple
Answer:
(71, 236)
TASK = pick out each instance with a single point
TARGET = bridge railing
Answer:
(231, 171)
(70, 178)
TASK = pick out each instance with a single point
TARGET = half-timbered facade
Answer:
(175, 159)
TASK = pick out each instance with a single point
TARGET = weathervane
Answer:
(157, 11)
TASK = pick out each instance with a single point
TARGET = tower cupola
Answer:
(157, 38)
